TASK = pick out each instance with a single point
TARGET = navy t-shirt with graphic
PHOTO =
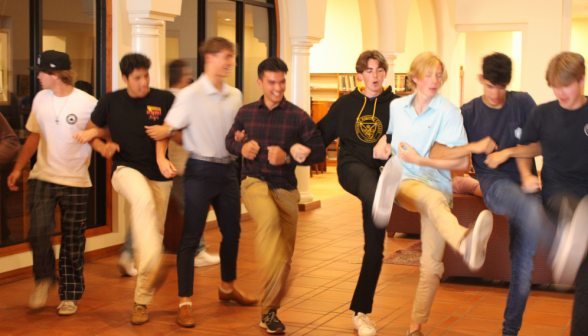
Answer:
(564, 143)
(504, 126)
(126, 119)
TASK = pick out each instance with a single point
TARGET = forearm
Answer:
(525, 166)
(97, 145)
(453, 164)
(443, 152)
(161, 149)
(98, 132)
(28, 149)
(524, 151)
(177, 137)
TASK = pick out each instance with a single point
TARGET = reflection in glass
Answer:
(14, 107)
(255, 49)
(221, 21)
(181, 41)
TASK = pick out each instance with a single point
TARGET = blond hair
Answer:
(422, 64)
(363, 59)
(68, 77)
(565, 68)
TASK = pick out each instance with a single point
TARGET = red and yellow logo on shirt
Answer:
(153, 112)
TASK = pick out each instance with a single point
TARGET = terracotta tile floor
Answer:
(325, 268)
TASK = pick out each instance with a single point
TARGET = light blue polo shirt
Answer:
(441, 122)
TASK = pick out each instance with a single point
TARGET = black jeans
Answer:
(362, 181)
(205, 184)
(580, 312)
(73, 201)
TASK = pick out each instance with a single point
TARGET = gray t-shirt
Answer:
(504, 126)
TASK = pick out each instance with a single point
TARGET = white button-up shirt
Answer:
(205, 116)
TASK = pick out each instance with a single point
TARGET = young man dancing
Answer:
(204, 111)
(269, 183)
(359, 120)
(558, 130)
(496, 120)
(136, 167)
(60, 177)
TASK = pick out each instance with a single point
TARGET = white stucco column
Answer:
(390, 58)
(301, 97)
(147, 19)
(145, 34)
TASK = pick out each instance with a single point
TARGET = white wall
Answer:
(414, 40)
(580, 37)
(540, 22)
(480, 44)
(338, 51)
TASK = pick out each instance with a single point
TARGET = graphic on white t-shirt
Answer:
(518, 132)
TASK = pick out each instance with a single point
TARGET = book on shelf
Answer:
(342, 86)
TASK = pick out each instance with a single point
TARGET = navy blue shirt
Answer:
(564, 143)
(504, 126)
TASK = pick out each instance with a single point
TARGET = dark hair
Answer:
(130, 62)
(497, 69)
(272, 64)
(176, 71)
(85, 86)
(214, 45)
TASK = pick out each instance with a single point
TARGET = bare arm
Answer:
(28, 149)
(165, 166)
(409, 155)
(439, 151)
(521, 151)
(92, 132)
(529, 182)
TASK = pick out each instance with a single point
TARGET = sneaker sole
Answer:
(199, 264)
(386, 191)
(139, 323)
(481, 235)
(573, 246)
(277, 331)
(66, 314)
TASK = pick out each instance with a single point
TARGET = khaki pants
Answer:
(148, 200)
(276, 213)
(438, 225)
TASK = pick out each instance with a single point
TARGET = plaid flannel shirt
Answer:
(283, 126)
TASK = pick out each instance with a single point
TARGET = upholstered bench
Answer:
(497, 266)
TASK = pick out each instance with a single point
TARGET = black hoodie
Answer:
(353, 119)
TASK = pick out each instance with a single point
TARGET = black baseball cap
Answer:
(52, 60)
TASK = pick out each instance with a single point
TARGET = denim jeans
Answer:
(525, 219)
(177, 196)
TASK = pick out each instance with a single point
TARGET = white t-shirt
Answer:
(61, 159)
(205, 116)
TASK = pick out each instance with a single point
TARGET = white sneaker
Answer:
(388, 185)
(67, 307)
(126, 265)
(206, 259)
(364, 326)
(571, 242)
(39, 295)
(477, 241)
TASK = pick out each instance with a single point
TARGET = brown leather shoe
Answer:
(140, 315)
(236, 296)
(185, 318)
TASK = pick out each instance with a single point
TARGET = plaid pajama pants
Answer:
(42, 199)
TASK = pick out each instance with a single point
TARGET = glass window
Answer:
(221, 21)
(181, 39)
(14, 107)
(256, 42)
